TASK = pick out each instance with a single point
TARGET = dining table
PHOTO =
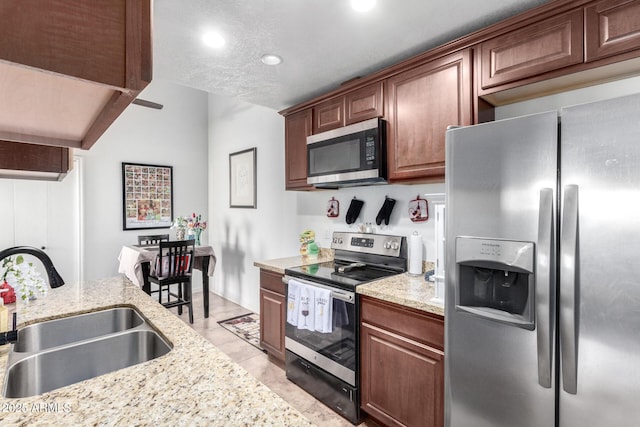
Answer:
(137, 262)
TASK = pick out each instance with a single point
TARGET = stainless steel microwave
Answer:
(348, 156)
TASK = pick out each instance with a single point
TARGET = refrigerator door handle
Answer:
(545, 285)
(569, 288)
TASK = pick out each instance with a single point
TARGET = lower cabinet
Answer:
(273, 313)
(402, 364)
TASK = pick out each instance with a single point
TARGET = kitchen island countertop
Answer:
(193, 384)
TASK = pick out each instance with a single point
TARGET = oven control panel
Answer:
(378, 244)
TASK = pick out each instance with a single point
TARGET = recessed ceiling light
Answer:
(213, 39)
(271, 59)
(363, 5)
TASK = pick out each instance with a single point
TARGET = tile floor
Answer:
(256, 362)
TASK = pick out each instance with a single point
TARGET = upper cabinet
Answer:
(352, 107)
(364, 103)
(545, 46)
(612, 27)
(422, 102)
(297, 127)
(559, 46)
(68, 69)
(328, 115)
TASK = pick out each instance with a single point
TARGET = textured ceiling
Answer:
(323, 42)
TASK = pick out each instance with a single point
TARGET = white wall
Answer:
(242, 236)
(174, 136)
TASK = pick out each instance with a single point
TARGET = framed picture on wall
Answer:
(147, 193)
(242, 179)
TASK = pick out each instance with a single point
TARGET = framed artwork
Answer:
(242, 179)
(147, 193)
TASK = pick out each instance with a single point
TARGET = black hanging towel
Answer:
(385, 211)
(354, 210)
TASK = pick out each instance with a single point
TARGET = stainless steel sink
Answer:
(57, 332)
(30, 373)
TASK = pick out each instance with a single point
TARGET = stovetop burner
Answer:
(359, 258)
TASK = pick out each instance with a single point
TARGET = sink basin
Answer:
(44, 363)
(53, 333)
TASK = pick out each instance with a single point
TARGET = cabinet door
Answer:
(328, 115)
(272, 318)
(402, 364)
(613, 27)
(364, 103)
(422, 103)
(297, 127)
(535, 49)
(402, 380)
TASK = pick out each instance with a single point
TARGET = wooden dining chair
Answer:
(174, 265)
(153, 239)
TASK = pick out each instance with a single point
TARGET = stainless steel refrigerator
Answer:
(543, 269)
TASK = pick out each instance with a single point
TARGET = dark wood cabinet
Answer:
(421, 103)
(273, 313)
(535, 49)
(612, 27)
(34, 161)
(558, 46)
(402, 364)
(70, 68)
(364, 103)
(352, 107)
(328, 115)
(297, 127)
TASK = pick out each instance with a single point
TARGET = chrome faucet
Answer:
(55, 280)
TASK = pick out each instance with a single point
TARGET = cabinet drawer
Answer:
(413, 324)
(536, 49)
(271, 281)
(612, 27)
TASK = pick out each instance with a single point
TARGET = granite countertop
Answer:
(193, 384)
(404, 289)
(278, 265)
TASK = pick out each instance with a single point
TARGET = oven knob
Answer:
(387, 245)
(395, 246)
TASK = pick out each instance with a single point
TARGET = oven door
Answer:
(335, 351)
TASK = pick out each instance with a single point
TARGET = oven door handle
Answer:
(340, 294)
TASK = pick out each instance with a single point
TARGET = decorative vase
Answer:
(196, 234)
(180, 234)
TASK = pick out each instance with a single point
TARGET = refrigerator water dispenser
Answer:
(496, 280)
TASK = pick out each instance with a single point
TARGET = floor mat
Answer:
(246, 327)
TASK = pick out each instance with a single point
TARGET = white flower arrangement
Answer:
(24, 278)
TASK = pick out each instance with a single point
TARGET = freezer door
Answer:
(501, 181)
(600, 268)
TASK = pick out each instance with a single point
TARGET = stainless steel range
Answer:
(322, 327)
